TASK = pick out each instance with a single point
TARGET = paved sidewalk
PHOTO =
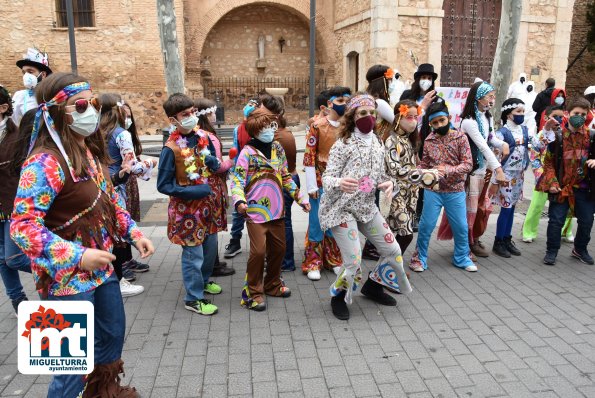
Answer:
(516, 328)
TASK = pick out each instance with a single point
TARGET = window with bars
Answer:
(84, 13)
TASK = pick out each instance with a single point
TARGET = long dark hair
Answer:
(5, 98)
(469, 109)
(414, 136)
(416, 91)
(203, 120)
(377, 83)
(46, 90)
(21, 145)
(138, 148)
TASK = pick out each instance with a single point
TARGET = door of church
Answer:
(469, 38)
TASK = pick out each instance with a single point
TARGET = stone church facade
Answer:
(219, 42)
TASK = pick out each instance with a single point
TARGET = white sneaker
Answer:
(528, 240)
(128, 289)
(314, 275)
(471, 268)
(568, 239)
(337, 270)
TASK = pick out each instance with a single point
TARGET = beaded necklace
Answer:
(200, 151)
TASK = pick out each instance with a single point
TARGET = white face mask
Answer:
(30, 80)
(85, 123)
(425, 84)
(127, 123)
(559, 100)
(189, 123)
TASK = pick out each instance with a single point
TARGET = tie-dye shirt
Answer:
(42, 179)
(259, 182)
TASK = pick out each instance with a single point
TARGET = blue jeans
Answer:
(288, 260)
(583, 211)
(197, 267)
(237, 225)
(110, 326)
(456, 212)
(12, 260)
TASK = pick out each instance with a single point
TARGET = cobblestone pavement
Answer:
(516, 328)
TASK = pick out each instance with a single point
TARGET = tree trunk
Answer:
(166, 18)
(504, 57)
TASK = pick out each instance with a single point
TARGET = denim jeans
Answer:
(237, 225)
(288, 260)
(12, 260)
(197, 267)
(110, 326)
(583, 211)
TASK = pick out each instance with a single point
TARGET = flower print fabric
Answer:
(41, 183)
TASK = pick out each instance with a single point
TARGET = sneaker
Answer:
(528, 240)
(203, 307)
(583, 257)
(471, 268)
(127, 289)
(233, 248)
(137, 266)
(568, 239)
(314, 275)
(337, 270)
(285, 292)
(212, 288)
(550, 258)
(15, 304)
(416, 267)
(128, 274)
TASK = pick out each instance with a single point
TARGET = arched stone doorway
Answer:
(469, 39)
(353, 67)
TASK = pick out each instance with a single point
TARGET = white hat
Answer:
(590, 90)
(35, 58)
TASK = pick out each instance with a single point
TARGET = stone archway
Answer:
(198, 25)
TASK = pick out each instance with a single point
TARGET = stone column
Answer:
(562, 41)
(384, 32)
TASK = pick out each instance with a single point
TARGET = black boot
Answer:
(369, 252)
(511, 247)
(374, 291)
(500, 248)
(339, 306)
(220, 268)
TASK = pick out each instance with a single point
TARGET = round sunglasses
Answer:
(81, 105)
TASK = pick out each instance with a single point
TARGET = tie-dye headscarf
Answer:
(43, 110)
(483, 90)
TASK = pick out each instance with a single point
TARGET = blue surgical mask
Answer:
(518, 119)
(267, 135)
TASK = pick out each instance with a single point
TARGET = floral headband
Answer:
(512, 106)
(203, 112)
(43, 111)
(360, 100)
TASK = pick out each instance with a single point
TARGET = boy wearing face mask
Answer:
(321, 249)
(187, 168)
(537, 149)
(258, 181)
(514, 165)
(569, 179)
(446, 150)
(35, 66)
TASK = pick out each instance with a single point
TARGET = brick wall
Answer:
(579, 77)
(122, 53)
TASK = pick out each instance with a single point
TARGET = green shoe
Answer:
(212, 288)
(203, 307)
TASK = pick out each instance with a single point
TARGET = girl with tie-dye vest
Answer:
(259, 178)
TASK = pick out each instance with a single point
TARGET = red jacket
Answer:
(552, 102)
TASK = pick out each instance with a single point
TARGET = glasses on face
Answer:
(81, 105)
(365, 112)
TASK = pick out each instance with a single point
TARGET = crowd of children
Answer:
(69, 201)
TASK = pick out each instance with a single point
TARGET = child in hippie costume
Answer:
(448, 151)
(195, 212)
(537, 149)
(354, 172)
(321, 248)
(67, 218)
(507, 195)
(260, 175)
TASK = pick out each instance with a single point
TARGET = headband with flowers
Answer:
(206, 111)
(43, 111)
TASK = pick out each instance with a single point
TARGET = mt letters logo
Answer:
(56, 337)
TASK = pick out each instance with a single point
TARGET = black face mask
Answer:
(529, 89)
(443, 130)
(522, 80)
